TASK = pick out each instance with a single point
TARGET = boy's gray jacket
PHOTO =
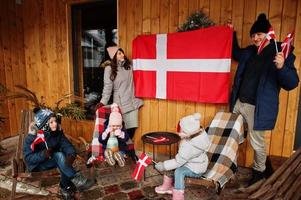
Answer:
(123, 89)
(191, 154)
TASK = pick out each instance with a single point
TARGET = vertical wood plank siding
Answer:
(34, 52)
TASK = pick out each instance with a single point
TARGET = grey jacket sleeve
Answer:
(177, 162)
(107, 86)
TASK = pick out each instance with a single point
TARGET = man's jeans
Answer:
(58, 160)
(257, 138)
(180, 174)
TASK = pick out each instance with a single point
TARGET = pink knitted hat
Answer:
(112, 51)
(115, 116)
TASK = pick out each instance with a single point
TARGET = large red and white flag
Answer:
(189, 66)
(142, 163)
(286, 44)
(40, 138)
(270, 35)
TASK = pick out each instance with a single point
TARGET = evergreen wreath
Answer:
(196, 21)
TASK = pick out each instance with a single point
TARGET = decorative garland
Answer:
(196, 21)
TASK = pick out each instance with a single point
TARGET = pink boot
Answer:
(177, 194)
(166, 187)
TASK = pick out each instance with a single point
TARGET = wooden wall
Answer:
(45, 49)
(12, 63)
(49, 70)
(162, 16)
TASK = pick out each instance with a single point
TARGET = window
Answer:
(94, 28)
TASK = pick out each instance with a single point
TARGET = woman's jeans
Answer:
(58, 160)
(180, 174)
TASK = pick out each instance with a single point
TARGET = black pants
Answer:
(131, 132)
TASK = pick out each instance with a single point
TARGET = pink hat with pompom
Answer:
(112, 51)
(115, 116)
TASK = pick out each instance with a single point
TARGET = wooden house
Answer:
(36, 52)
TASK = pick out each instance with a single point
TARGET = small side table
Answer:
(147, 138)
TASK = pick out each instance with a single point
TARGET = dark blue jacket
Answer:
(55, 140)
(271, 81)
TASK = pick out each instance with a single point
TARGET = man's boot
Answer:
(256, 176)
(82, 183)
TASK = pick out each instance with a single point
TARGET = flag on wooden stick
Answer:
(286, 44)
(270, 35)
(40, 138)
(142, 163)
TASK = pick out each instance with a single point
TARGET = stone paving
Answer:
(115, 183)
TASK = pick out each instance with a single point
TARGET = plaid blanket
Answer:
(101, 121)
(225, 133)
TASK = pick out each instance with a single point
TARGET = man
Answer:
(257, 83)
(55, 150)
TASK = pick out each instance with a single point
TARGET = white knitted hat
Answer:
(191, 124)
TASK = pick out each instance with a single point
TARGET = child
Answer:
(55, 150)
(113, 138)
(191, 159)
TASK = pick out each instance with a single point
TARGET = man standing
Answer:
(255, 93)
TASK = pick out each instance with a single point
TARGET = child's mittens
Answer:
(119, 133)
(160, 166)
(183, 135)
(105, 133)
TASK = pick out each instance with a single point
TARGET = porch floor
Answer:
(116, 183)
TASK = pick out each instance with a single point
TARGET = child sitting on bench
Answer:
(191, 159)
(46, 147)
(113, 138)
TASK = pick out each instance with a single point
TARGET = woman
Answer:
(118, 78)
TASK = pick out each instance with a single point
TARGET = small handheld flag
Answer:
(286, 44)
(270, 35)
(40, 138)
(142, 163)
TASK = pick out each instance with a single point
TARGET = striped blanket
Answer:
(101, 121)
(226, 132)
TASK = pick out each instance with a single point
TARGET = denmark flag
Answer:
(142, 163)
(40, 138)
(189, 66)
(270, 35)
(286, 44)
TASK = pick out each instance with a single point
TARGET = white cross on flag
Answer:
(189, 66)
(40, 138)
(269, 35)
(286, 44)
(142, 163)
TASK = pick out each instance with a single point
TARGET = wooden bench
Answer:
(223, 122)
(19, 172)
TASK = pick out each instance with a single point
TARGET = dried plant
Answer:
(28, 95)
(70, 110)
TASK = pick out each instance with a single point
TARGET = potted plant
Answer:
(71, 114)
